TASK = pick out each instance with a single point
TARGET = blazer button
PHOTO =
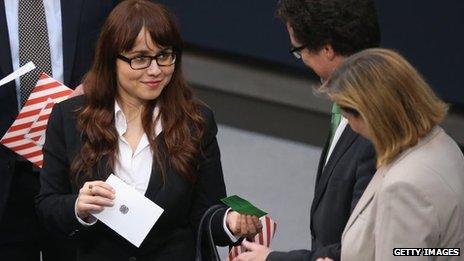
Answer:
(132, 258)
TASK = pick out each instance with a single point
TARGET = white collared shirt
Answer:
(338, 132)
(133, 167)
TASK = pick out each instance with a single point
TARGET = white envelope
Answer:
(133, 215)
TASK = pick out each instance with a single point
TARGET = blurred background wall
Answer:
(428, 33)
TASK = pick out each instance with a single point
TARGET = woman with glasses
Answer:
(138, 120)
(416, 197)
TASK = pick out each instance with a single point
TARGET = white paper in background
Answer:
(133, 215)
(20, 72)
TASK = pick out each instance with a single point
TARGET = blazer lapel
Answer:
(5, 52)
(70, 16)
(155, 184)
(346, 139)
(9, 104)
(321, 164)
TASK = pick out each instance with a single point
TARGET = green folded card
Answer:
(242, 206)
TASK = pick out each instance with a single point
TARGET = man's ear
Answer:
(329, 52)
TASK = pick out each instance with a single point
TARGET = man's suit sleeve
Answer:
(294, 255)
(55, 202)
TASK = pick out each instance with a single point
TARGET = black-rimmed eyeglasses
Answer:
(296, 51)
(144, 61)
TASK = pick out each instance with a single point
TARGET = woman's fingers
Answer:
(90, 208)
(94, 196)
(249, 225)
(251, 229)
(243, 225)
(96, 200)
(98, 186)
(88, 204)
(102, 192)
(257, 223)
(103, 184)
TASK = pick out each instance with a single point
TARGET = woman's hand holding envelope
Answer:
(93, 197)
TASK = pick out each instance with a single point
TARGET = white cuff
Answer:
(233, 238)
(92, 220)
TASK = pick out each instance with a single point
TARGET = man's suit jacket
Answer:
(416, 201)
(339, 185)
(81, 22)
(184, 202)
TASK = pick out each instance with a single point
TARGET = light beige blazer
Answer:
(417, 201)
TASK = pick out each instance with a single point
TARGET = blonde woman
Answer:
(416, 198)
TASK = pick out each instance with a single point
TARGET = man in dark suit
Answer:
(75, 26)
(323, 34)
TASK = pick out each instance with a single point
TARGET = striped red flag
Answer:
(263, 238)
(27, 134)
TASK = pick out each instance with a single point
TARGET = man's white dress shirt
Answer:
(55, 37)
(338, 132)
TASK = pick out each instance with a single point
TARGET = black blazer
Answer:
(81, 22)
(172, 237)
(339, 185)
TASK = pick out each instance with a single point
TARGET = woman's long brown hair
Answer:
(181, 117)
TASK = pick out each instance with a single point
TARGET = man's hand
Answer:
(256, 252)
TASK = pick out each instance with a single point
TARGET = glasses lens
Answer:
(140, 62)
(165, 59)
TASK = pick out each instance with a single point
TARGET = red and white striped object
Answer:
(263, 238)
(27, 134)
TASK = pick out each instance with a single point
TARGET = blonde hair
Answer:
(394, 100)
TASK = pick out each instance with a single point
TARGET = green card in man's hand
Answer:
(242, 206)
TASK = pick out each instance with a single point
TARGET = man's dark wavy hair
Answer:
(349, 26)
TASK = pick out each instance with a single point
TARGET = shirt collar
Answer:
(121, 122)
